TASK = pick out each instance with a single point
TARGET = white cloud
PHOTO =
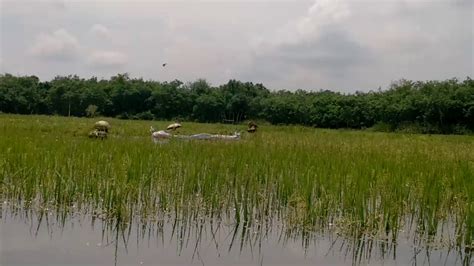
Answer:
(107, 59)
(321, 15)
(334, 44)
(61, 4)
(100, 30)
(59, 45)
(339, 41)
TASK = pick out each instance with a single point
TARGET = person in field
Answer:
(101, 130)
(102, 125)
(98, 134)
(173, 126)
(252, 127)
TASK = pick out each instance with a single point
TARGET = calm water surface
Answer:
(82, 240)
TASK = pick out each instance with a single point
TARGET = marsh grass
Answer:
(360, 185)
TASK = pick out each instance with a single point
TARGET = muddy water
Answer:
(28, 240)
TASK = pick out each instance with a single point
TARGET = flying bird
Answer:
(165, 64)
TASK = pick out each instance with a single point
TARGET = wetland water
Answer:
(29, 239)
(285, 196)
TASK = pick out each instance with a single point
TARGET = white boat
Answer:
(162, 136)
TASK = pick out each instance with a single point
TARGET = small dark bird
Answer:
(164, 64)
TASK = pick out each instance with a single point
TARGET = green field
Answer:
(361, 185)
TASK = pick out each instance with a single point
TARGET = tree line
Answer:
(418, 106)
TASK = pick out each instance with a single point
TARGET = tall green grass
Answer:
(361, 185)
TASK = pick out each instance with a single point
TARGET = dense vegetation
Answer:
(427, 107)
(369, 187)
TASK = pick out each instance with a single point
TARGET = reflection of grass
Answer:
(361, 185)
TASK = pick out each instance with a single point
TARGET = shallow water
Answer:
(83, 240)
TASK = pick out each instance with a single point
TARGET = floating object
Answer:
(162, 136)
(173, 126)
(207, 136)
(159, 136)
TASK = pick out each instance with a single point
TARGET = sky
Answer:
(340, 45)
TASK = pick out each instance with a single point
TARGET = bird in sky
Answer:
(165, 64)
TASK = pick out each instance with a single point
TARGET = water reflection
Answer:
(49, 238)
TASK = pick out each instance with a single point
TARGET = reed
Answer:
(361, 185)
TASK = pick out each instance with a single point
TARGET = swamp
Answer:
(287, 195)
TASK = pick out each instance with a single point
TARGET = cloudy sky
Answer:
(342, 45)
